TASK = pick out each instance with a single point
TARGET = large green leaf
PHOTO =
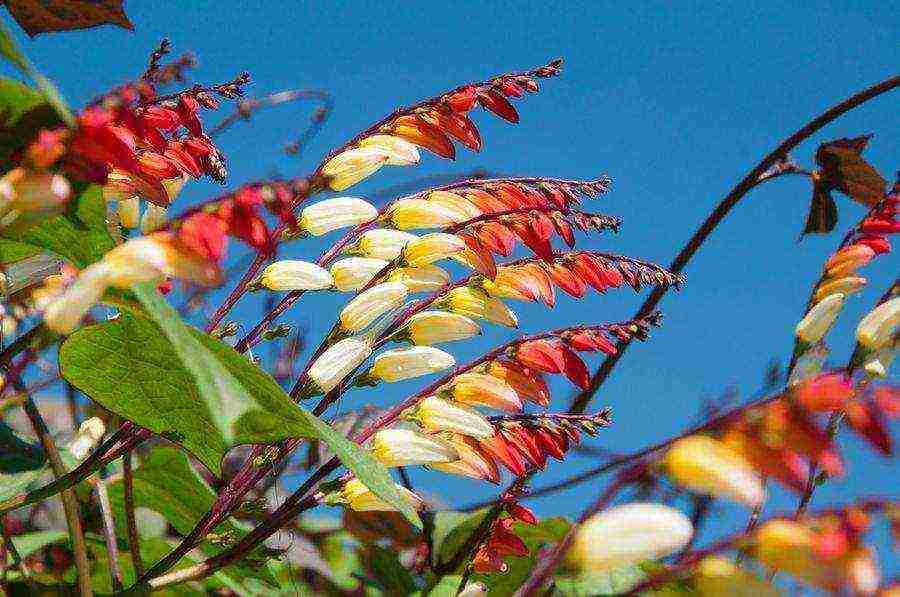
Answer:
(199, 392)
(29, 543)
(389, 572)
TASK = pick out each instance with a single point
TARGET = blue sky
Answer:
(675, 105)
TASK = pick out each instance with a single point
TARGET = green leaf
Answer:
(12, 251)
(389, 572)
(448, 586)
(23, 113)
(23, 465)
(29, 543)
(191, 388)
(451, 532)
(166, 483)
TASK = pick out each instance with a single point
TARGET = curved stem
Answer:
(722, 210)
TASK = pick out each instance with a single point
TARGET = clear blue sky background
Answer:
(674, 104)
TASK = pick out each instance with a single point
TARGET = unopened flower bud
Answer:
(788, 546)
(89, 434)
(404, 447)
(399, 151)
(707, 466)
(331, 214)
(349, 167)
(628, 534)
(432, 247)
(411, 214)
(427, 278)
(353, 273)
(457, 204)
(474, 302)
(434, 327)
(435, 414)
(405, 363)
(292, 274)
(879, 327)
(820, 318)
(337, 362)
(372, 304)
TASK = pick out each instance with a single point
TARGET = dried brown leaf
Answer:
(44, 16)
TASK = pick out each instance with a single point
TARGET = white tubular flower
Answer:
(434, 327)
(820, 318)
(437, 415)
(879, 327)
(474, 302)
(372, 304)
(292, 274)
(89, 434)
(64, 313)
(382, 243)
(337, 362)
(353, 273)
(432, 247)
(404, 447)
(331, 214)
(349, 167)
(629, 534)
(129, 212)
(427, 278)
(707, 466)
(400, 152)
(405, 363)
(153, 219)
(410, 214)
(356, 496)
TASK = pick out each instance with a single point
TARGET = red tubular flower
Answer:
(575, 369)
(869, 422)
(825, 393)
(505, 454)
(541, 355)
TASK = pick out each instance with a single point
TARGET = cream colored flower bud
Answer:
(129, 212)
(292, 274)
(435, 414)
(478, 389)
(716, 576)
(434, 327)
(372, 304)
(847, 285)
(474, 302)
(820, 318)
(353, 273)
(400, 152)
(331, 214)
(707, 466)
(405, 363)
(338, 361)
(349, 167)
(427, 278)
(153, 219)
(89, 434)
(382, 243)
(432, 247)
(410, 214)
(879, 327)
(357, 496)
(64, 313)
(404, 447)
(629, 534)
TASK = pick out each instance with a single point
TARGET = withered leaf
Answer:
(43, 16)
(842, 167)
(823, 215)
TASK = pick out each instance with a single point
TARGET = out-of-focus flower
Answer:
(332, 214)
(473, 589)
(435, 415)
(628, 534)
(473, 461)
(129, 211)
(406, 363)
(89, 434)
(474, 302)
(154, 218)
(293, 274)
(848, 260)
(435, 327)
(353, 273)
(426, 278)
(879, 363)
(820, 318)
(398, 151)
(825, 393)
(381, 243)
(847, 285)
(879, 327)
(355, 495)
(705, 465)
(478, 389)
(431, 247)
(372, 304)
(28, 198)
(716, 576)
(338, 361)
(411, 214)
(349, 167)
(405, 447)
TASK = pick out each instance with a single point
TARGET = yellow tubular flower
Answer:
(292, 274)
(409, 214)
(847, 285)
(716, 576)
(355, 495)
(337, 362)
(437, 415)
(405, 363)
(434, 327)
(64, 313)
(372, 304)
(879, 327)
(349, 167)
(472, 463)
(848, 260)
(129, 212)
(788, 546)
(427, 278)
(455, 203)
(382, 243)
(400, 152)
(404, 447)
(331, 214)
(89, 434)
(353, 273)
(628, 534)
(820, 318)
(154, 218)
(478, 389)
(707, 466)
(474, 302)
(432, 247)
